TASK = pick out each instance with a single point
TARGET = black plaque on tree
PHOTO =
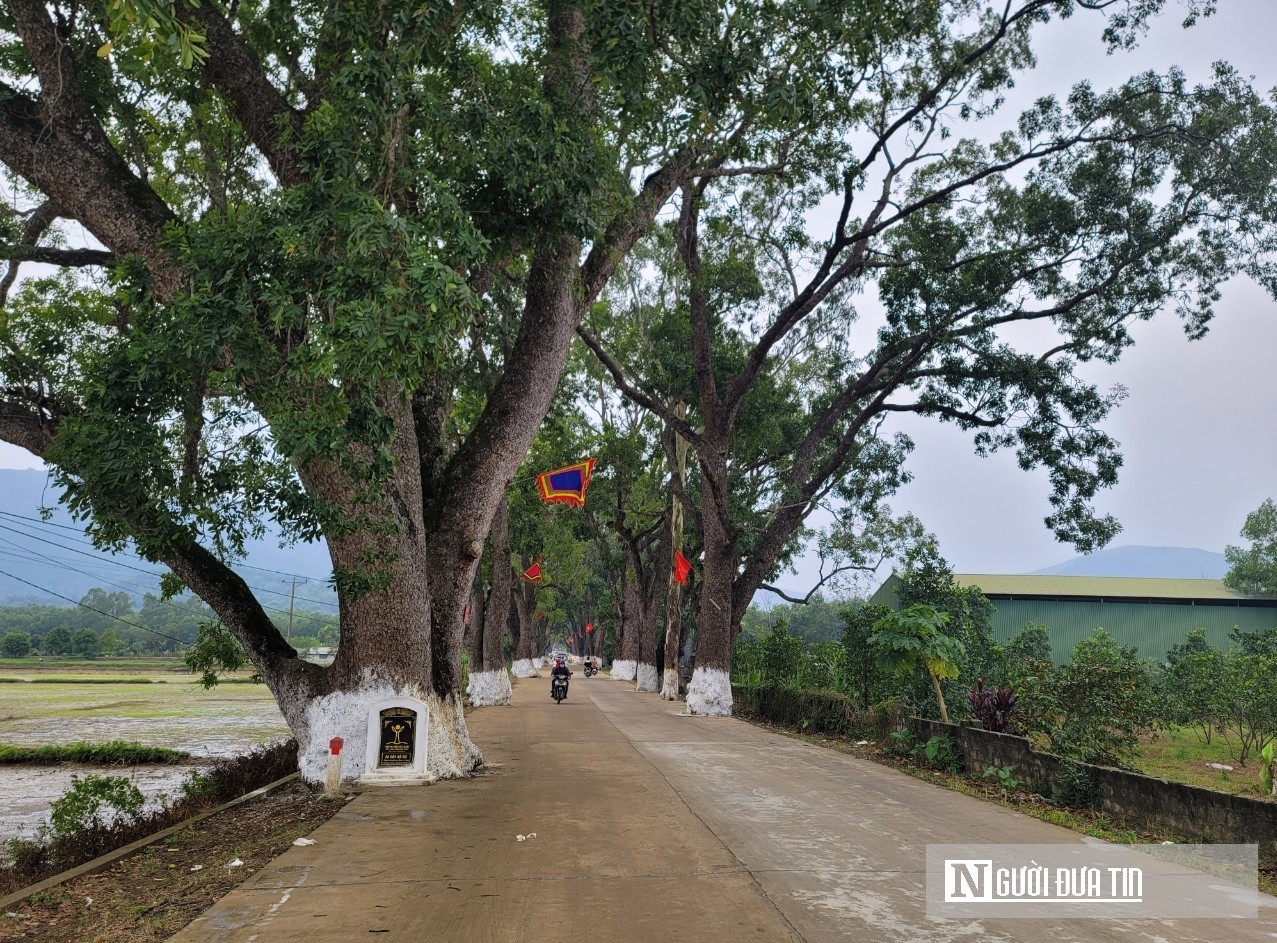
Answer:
(398, 736)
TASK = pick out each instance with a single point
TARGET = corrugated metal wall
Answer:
(1151, 627)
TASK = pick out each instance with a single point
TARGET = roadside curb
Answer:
(108, 859)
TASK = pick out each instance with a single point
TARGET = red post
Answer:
(335, 745)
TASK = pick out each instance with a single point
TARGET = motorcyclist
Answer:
(560, 670)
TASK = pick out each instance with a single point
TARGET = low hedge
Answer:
(825, 712)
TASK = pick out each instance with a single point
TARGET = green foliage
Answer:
(216, 652)
(775, 660)
(85, 644)
(93, 801)
(820, 620)
(824, 712)
(1095, 708)
(199, 786)
(1074, 788)
(15, 645)
(1005, 775)
(1266, 767)
(941, 753)
(110, 753)
(1248, 717)
(864, 679)
(1252, 569)
(1195, 686)
(58, 641)
(914, 639)
(902, 742)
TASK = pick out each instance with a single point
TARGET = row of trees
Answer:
(157, 627)
(343, 251)
(1094, 709)
(83, 643)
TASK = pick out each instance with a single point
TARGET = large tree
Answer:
(921, 254)
(298, 211)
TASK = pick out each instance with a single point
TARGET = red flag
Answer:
(681, 567)
(533, 573)
(589, 627)
(566, 485)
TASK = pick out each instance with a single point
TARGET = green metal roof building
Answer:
(1150, 614)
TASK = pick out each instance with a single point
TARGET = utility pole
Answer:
(292, 597)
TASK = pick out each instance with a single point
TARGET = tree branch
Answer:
(626, 228)
(654, 406)
(66, 258)
(273, 126)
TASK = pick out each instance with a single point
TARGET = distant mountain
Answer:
(55, 555)
(1186, 563)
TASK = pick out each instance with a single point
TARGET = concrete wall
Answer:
(1142, 801)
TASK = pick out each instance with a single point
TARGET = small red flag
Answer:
(533, 573)
(589, 627)
(681, 567)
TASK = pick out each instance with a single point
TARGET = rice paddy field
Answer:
(156, 702)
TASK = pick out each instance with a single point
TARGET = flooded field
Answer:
(60, 705)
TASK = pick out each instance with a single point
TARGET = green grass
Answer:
(1180, 755)
(65, 679)
(111, 753)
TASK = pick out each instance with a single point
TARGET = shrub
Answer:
(826, 712)
(95, 801)
(942, 753)
(26, 861)
(15, 645)
(992, 708)
(1094, 708)
(888, 717)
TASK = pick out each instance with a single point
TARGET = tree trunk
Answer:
(388, 645)
(674, 597)
(524, 666)
(625, 665)
(489, 680)
(646, 677)
(710, 691)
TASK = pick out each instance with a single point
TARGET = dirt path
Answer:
(648, 825)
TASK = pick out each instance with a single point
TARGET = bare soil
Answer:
(152, 894)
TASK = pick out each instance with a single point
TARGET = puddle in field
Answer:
(27, 791)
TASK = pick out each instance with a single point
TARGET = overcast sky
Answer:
(1198, 427)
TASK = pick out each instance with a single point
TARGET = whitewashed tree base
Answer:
(525, 668)
(710, 693)
(449, 752)
(489, 688)
(646, 678)
(624, 670)
(669, 685)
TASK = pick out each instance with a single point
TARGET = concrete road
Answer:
(649, 825)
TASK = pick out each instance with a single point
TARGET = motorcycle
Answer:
(591, 669)
(559, 689)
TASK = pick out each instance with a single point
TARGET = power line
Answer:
(79, 530)
(92, 576)
(131, 625)
(99, 558)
